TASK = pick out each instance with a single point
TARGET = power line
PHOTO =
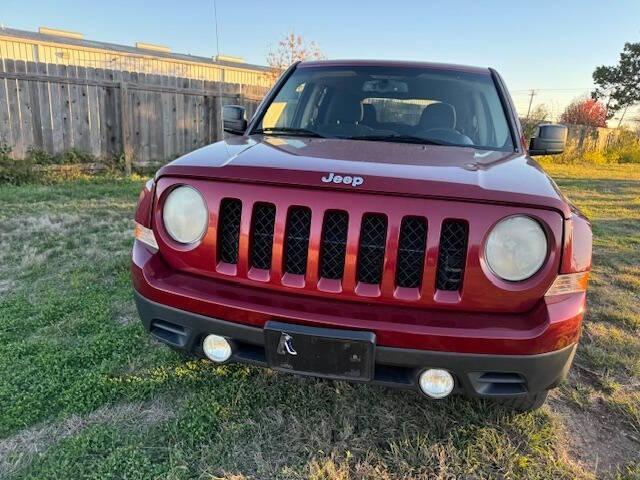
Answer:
(215, 21)
(552, 89)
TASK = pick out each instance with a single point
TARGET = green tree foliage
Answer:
(539, 114)
(620, 83)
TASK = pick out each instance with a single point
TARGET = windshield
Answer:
(397, 104)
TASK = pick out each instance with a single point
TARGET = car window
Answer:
(394, 110)
(401, 104)
(281, 111)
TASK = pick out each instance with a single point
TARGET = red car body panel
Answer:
(461, 173)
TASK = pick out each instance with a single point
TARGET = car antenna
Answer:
(215, 23)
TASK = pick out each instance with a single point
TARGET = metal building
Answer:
(50, 45)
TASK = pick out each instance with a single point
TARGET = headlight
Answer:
(516, 248)
(185, 215)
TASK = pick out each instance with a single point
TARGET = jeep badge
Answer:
(347, 179)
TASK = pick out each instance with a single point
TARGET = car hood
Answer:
(461, 173)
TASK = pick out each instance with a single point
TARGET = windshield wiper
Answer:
(298, 132)
(398, 138)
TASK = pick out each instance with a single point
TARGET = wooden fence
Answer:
(106, 113)
(585, 138)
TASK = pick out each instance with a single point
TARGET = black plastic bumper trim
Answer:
(394, 367)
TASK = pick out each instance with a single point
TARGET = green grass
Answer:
(85, 393)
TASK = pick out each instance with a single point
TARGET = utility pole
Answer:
(622, 117)
(533, 93)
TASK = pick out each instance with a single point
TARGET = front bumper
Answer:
(553, 324)
(478, 375)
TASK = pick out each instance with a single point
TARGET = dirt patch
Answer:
(18, 451)
(597, 440)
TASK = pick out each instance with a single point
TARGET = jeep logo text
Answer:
(347, 179)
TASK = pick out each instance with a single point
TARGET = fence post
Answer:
(124, 127)
(217, 118)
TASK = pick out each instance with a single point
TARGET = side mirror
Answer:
(550, 139)
(233, 119)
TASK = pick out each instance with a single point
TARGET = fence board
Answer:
(34, 107)
(111, 116)
(167, 119)
(65, 108)
(6, 137)
(13, 108)
(56, 108)
(148, 118)
(44, 105)
(93, 102)
(25, 106)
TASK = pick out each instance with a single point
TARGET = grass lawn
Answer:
(85, 393)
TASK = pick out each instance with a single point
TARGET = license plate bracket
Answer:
(321, 352)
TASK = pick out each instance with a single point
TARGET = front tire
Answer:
(527, 403)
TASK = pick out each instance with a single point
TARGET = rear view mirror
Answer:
(550, 139)
(385, 85)
(233, 119)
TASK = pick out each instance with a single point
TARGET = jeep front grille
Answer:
(378, 243)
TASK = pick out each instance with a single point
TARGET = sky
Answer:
(549, 46)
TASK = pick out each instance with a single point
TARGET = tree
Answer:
(538, 115)
(620, 84)
(292, 48)
(585, 111)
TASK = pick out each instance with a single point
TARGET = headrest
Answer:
(346, 109)
(438, 115)
(369, 114)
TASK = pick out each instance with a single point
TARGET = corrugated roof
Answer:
(36, 37)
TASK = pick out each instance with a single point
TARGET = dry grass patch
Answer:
(19, 450)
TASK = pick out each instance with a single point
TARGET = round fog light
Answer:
(216, 348)
(436, 383)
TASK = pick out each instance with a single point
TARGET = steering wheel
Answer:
(448, 135)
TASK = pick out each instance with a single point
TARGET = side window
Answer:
(314, 105)
(498, 126)
(283, 109)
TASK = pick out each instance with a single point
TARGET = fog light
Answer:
(436, 383)
(216, 348)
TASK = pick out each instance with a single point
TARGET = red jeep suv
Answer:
(374, 221)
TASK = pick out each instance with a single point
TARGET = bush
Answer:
(624, 149)
(72, 156)
(42, 167)
(14, 172)
(596, 157)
